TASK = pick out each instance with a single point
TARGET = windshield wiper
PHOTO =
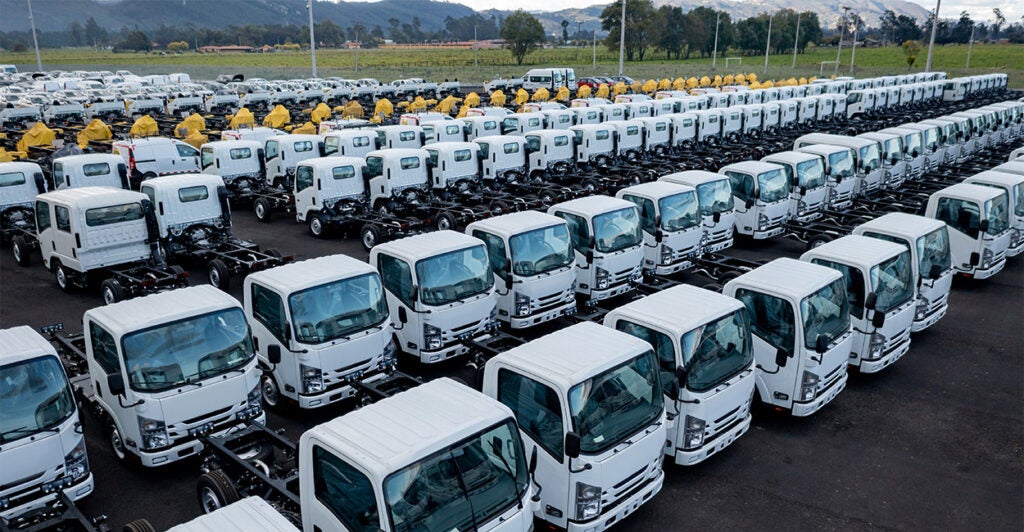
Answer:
(26, 430)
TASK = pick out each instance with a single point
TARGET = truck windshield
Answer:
(541, 250)
(714, 197)
(617, 230)
(337, 309)
(933, 250)
(841, 163)
(931, 138)
(455, 275)
(912, 143)
(997, 214)
(679, 211)
(34, 396)
(1018, 199)
(870, 157)
(616, 404)
(825, 313)
(187, 351)
(461, 487)
(892, 282)
(811, 174)
(716, 351)
(773, 185)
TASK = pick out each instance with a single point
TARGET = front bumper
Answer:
(889, 357)
(825, 397)
(931, 318)
(339, 393)
(188, 448)
(73, 492)
(621, 509)
(564, 309)
(720, 442)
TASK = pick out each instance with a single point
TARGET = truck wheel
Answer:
(117, 445)
(139, 525)
(176, 270)
(270, 391)
(445, 221)
(818, 241)
(112, 291)
(215, 490)
(148, 175)
(262, 209)
(500, 207)
(317, 227)
(370, 236)
(220, 276)
(21, 251)
(63, 278)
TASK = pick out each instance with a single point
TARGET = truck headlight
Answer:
(921, 308)
(762, 221)
(666, 255)
(522, 306)
(876, 347)
(588, 501)
(312, 379)
(76, 463)
(986, 258)
(431, 337)
(801, 206)
(1014, 237)
(253, 404)
(693, 432)
(601, 278)
(390, 358)
(809, 386)
(153, 433)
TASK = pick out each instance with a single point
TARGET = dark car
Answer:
(590, 82)
(625, 79)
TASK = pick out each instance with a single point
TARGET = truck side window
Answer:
(345, 490)
(303, 178)
(578, 230)
(854, 281)
(63, 217)
(396, 276)
(104, 349)
(268, 309)
(772, 319)
(742, 185)
(663, 348)
(964, 216)
(58, 174)
(271, 149)
(184, 150)
(536, 407)
(42, 216)
(647, 215)
(496, 252)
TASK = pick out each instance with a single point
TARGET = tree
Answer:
(962, 30)
(999, 23)
(911, 49)
(94, 34)
(702, 29)
(522, 33)
(888, 25)
(907, 29)
(639, 26)
(177, 46)
(76, 34)
(565, 31)
(670, 30)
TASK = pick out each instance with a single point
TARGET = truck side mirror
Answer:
(658, 235)
(122, 172)
(870, 301)
(935, 271)
(821, 344)
(321, 149)
(40, 182)
(878, 320)
(274, 354)
(533, 462)
(717, 217)
(403, 316)
(975, 259)
(680, 376)
(115, 383)
(749, 203)
(572, 445)
(983, 226)
(590, 256)
(781, 356)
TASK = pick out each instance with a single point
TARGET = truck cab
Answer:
(629, 138)
(702, 341)
(802, 338)
(671, 223)
(558, 118)
(397, 177)
(443, 131)
(979, 227)
(763, 192)
(398, 136)
(709, 125)
(839, 170)
(502, 157)
(440, 291)
(684, 129)
(897, 171)
(608, 244)
(657, 135)
(328, 187)
(550, 151)
(587, 115)
(42, 447)
(867, 158)
(156, 156)
(589, 399)
(259, 134)
(808, 190)
(318, 326)
(454, 166)
(283, 152)
(595, 143)
(349, 142)
(20, 182)
(880, 290)
(532, 258)
(90, 170)
(933, 148)
(928, 242)
(1013, 186)
(475, 127)
(949, 139)
(169, 367)
(913, 149)
(241, 163)
(522, 123)
(714, 197)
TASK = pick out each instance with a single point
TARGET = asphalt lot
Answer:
(933, 442)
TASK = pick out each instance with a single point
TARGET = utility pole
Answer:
(714, 55)
(622, 36)
(842, 30)
(970, 44)
(767, 44)
(853, 52)
(358, 46)
(796, 39)
(577, 40)
(594, 36)
(312, 41)
(476, 62)
(35, 41)
(931, 41)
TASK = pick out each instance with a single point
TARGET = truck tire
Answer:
(270, 391)
(139, 525)
(220, 275)
(261, 207)
(317, 227)
(21, 250)
(112, 291)
(63, 278)
(818, 241)
(118, 447)
(370, 236)
(445, 221)
(215, 490)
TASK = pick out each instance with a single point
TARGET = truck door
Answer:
(64, 241)
(268, 319)
(305, 191)
(396, 275)
(773, 324)
(343, 495)
(188, 158)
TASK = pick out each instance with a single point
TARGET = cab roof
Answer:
(968, 191)
(295, 136)
(251, 514)
(90, 197)
(656, 189)
(90, 158)
(693, 177)
(156, 309)
(1003, 179)
(823, 149)
(788, 276)
(681, 308)
(571, 355)
(145, 140)
(227, 144)
(516, 223)
(398, 152)
(296, 276)
(750, 167)
(177, 181)
(857, 250)
(910, 226)
(22, 343)
(417, 247)
(591, 205)
(390, 434)
(20, 166)
(327, 163)
(451, 146)
(790, 157)
(1012, 167)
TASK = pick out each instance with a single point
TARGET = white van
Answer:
(156, 156)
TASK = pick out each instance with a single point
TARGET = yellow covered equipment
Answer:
(383, 108)
(277, 117)
(145, 126)
(522, 96)
(196, 139)
(541, 95)
(583, 91)
(95, 130)
(320, 113)
(447, 104)
(472, 100)
(498, 99)
(243, 117)
(305, 129)
(193, 122)
(648, 87)
(39, 135)
(619, 88)
(563, 94)
(6, 156)
(602, 91)
(352, 110)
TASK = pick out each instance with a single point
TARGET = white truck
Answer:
(90, 170)
(241, 163)
(867, 158)
(283, 152)
(318, 326)
(550, 152)
(802, 336)
(671, 223)
(326, 190)
(913, 149)
(894, 160)
(839, 171)
(399, 136)
(595, 143)
(608, 245)
(20, 183)
(714, 197)
(440, 292)
(702, 340)
(808, 189)
(979, 221)
(156, 156)
(533, 261)
(590, 399)
(762, 190)
(1013, 186)
(928, 242)
(349, 142)
(502, 158)
(880, 290)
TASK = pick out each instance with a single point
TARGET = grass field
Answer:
(459, 63)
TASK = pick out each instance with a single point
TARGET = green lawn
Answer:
(448, 63)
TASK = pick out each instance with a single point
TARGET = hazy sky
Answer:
(979, 9)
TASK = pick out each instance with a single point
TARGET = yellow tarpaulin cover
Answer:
(352, 110)
(802, 81)
(729, 79)
(95, 130)
(739, 79)
(522, 96)
(679, 84)
(665, 84)
(717, 81)
(636, 86)
(243, 117)
(193, 122)
(196, 139)
(583, 92)
(321, 113)
(602, 91)
(462, 111)
(418, 104)
(649, 86)
(563, 94)
(39, 135)
(541, 95)
(383, 106)
(692, 82)
(278, 117)
(305, 129)
(447, 104)
(145, 126)
(6, 156)
(704, 81)
(498, 99)
(619, 88)
(472, 100)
